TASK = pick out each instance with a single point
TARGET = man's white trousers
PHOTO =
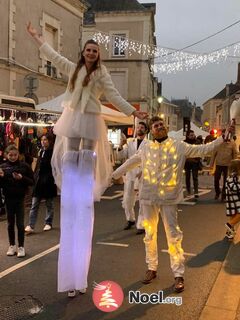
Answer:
(129, 200)
(173, 234)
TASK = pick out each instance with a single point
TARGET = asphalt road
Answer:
(33, 286)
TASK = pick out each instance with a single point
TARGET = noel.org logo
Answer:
(107, 295)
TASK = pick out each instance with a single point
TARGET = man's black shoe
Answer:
(129, 225)
(2, 211)
(179, 284)
(140, 231)
(217, 196)
(149, 276)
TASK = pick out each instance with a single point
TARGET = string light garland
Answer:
(133, 46)
(29, 124)
(48, 121)
(184, 61)
(169, 60)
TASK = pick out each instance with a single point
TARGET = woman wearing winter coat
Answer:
(44, 187)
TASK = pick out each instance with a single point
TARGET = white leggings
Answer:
(74, 144)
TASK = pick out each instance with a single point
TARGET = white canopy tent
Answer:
(179, 134)
(110, 116)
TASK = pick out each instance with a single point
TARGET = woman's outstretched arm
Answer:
(33, 32)
(62, 63)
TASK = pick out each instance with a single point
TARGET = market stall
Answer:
(180, 136)
(23, 125)
(111, 117)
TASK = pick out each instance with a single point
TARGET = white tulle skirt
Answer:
(73, 124)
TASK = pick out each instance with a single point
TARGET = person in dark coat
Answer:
(45, 187)
(192, 165)
(15, 177)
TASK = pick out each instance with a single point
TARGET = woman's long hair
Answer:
(80, 63)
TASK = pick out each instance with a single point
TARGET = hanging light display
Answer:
(169, 60)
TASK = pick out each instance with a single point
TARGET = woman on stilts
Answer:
(81, 165)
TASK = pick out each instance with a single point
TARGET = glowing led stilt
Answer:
(77, 216)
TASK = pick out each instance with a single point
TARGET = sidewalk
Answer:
(224, 300)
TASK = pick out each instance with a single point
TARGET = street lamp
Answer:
(160, 99)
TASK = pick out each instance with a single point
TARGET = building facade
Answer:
(184, 111)
(23, 70)
(168, 111)
(216, 110)
(130, 71)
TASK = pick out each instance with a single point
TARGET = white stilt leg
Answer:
(77, 217)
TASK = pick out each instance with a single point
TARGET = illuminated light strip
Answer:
(34, 124)
(186, 61)
(113, 244)
(188, 203)
(31, 124)
(133, 46)
(172, 60)
(26, 262)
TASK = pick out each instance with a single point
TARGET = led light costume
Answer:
(81, 165)
(162, 190)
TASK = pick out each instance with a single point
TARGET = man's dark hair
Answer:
(188, 132)
(154, 119)
(145, 125)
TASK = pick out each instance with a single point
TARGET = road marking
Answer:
(113, 244)
(185, 201)
(185, 253)
(118, 195)
(25, 262)
(189, 203)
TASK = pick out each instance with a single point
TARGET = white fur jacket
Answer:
(162, 167)
(87, 98)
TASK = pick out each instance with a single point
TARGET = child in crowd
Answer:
(15, 177)
(233, 197)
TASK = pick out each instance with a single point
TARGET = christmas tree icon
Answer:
(106, 299)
